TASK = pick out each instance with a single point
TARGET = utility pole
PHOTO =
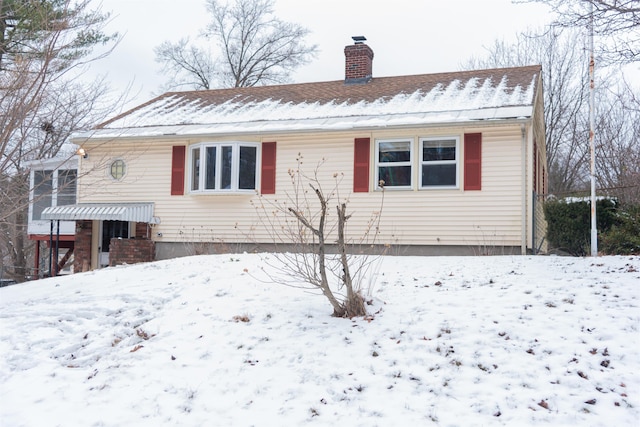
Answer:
(592, 148)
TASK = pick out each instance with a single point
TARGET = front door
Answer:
(109, 230)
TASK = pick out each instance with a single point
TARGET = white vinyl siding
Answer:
(444, 217)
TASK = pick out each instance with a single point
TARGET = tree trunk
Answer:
(354, 304)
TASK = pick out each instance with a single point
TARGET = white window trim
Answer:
(235, 167)
(54, 173)
(411, 142)
(424, 163)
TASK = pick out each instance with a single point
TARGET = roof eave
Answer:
(493, 116)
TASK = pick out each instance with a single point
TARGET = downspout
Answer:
(523, 242)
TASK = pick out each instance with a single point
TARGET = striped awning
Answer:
(136, 212)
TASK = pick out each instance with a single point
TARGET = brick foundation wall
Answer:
(142, 230)
(131, 251)
(82, 248)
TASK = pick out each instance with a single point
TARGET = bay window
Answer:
(223, 167)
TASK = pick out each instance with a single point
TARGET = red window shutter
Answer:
(362, 147)
(472, 161)
(177, 170)
(268, 172)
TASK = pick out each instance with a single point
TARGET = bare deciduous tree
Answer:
(187, 64)
(565, 78)
(44, 47)
(618, 148)
(254, 47)
(563, 58)
(616, 21)
(312, 248)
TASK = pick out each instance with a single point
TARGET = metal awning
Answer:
(137, 212)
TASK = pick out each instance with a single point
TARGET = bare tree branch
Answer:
(254, 47)
(565, 84)
(44, 48)
(187, 65)
(565, 80)
(321, 257)
(617, 22)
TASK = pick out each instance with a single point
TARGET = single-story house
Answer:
(461, 157)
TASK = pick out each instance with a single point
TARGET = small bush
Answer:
(623, 238)
(569, 223)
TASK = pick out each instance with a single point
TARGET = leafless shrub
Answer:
(320, 256)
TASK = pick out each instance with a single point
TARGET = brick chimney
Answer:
(358, 62)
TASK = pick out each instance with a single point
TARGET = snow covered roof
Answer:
(61, 162)
(382, 102)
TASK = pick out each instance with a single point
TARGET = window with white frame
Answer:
(393, 163)
(52, 188)
(439, 158)
(223, 167)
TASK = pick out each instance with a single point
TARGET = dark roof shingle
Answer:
(380, 89)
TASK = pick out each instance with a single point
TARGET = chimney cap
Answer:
(359, 39)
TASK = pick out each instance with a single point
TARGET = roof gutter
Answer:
(171, 133)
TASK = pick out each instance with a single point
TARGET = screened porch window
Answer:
(42, 192)
(66, 187)
(52, 188)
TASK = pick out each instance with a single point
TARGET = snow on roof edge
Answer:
(327, 124)
(452, 96)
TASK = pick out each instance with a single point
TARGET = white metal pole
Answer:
(594, 230)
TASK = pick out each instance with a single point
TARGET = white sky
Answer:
(407, 36)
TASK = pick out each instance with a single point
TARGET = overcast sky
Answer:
(407, 36)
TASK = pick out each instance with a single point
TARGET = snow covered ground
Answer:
(454, 341)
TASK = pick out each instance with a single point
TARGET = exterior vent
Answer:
(359, 39)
